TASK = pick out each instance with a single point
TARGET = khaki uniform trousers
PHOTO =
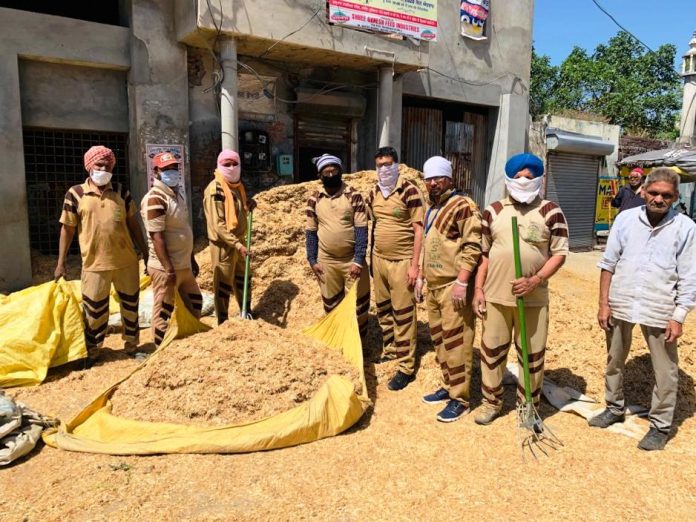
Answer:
(228, 279)
(665, 365)
(452, 332)
(96, 287)
(335, 284)
(164, 299)
(498, 324)
(396, 311)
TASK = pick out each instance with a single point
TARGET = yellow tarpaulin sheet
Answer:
(40, 328)
(333, 409)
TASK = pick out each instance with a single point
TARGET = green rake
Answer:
(246, 314)
(531, 429)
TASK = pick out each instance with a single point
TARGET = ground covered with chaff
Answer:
(397, 463)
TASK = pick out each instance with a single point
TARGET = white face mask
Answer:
(231, 174)
(100, 177)
(387, 176)
(524, 190)
(170, 178)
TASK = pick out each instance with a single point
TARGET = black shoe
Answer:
(399, 381)
(654, 440)
(605, 419)
(440, 395)
(454, 410)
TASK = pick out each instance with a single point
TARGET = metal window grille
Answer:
(53, 161)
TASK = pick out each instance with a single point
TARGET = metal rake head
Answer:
(534, 435)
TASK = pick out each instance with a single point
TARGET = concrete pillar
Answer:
(157, 89)
(395, 124)
(386, 94)
(510, 138)
(687, 133)
(15, 261)
(228, 97)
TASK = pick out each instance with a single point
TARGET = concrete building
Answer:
(580, 159)
(687, 129)
(275, 79)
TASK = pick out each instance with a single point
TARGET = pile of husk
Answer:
(284, 290)
(237, 373)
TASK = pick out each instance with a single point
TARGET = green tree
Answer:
(629, 85)
(543, 78)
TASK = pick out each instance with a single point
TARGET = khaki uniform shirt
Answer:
(214, 208)
(163, 210)
(543, 232)
(105, 241)
(335, 219)
(452, 239)
(394, 218)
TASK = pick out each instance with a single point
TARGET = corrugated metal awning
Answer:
(565, 141)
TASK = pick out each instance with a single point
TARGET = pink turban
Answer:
(99, 153)
(227, 155)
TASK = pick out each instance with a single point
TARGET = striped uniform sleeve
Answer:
(558, 227)
(311, 213)
(468, 222)
(155, 212)
(359, 211)
(413, 200)
(486, 237)
(369, 201)
(128, 200)
(70, 216)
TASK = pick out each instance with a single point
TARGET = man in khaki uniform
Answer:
(105, 218)
(396, 207)
(543, 248)
(225, 205)
(336, 238)
(451, 250)
(171, 263)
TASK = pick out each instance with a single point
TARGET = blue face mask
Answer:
(170, 178)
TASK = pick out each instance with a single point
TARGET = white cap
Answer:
(437, 166)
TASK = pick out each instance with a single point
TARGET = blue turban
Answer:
(524, 161)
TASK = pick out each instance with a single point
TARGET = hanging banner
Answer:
(473, 15)
(413, 18)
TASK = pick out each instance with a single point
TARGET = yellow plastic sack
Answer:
(40, 328)
(333, 409)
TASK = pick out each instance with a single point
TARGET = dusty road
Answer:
(398, 463)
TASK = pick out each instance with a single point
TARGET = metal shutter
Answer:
(421, 135)
(572, 183)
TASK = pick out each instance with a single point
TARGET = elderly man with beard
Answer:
(226, 206)
(543, 236)
(336, 238)
(106, 221)
(648, 278)
(630, 196)
(451, 252)
(396, 207)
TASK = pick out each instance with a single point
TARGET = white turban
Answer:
(437, 166)
(325, 160)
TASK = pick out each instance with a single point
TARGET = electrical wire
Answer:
(595, 2)
(291, 33)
